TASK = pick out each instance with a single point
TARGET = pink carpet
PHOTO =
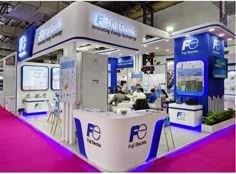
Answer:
(215, 153)
(23, 149)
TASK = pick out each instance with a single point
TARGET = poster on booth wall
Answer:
(170, 76)
(229, 83)
(190, 78)
(136, 78)
(68, 79)
(153, 81)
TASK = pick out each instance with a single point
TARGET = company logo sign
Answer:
(93, 134)
(181, 115)
(22, 46)
(190, 44)
(137, 135)
(125, 62)
(110, 26)
(216, 44)
(50, 32)
(25, 44)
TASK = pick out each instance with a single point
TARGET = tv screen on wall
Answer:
(34, 78)
(55, 78)
(220, 67)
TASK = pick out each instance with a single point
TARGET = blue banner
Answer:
(125, 62)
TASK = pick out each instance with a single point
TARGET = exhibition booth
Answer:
(95, 43)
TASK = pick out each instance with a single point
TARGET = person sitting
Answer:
(152, 97)
(139, 94)
(119, 97)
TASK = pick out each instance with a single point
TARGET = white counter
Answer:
(35, 105)
(189, 115)
(118, 142)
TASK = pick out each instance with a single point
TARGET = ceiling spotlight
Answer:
(167, 50)
(120, 54)
(83, 44)
(221, 35)
(187, 35)
(136, 52)
(229, 39)
(145, 45)
(157, 48)
(167, 40)
(211, 29)
(169, 28)
(146, 53)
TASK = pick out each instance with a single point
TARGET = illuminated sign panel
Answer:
(50, 32)
(113, 27)
(25, 44)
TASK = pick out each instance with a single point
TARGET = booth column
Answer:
(196, 57)
(68, 126)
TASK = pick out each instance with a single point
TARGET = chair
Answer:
(141, 104)
(165, 126)
(50, 110)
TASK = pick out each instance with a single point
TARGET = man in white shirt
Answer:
(139, 94)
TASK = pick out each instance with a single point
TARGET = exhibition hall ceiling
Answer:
(17, 16)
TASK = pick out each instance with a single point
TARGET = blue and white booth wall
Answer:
(195, 65)
(39, 82)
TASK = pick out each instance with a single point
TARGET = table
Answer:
(188, 115)
(117, 142)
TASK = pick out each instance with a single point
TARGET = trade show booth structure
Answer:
(88, 35)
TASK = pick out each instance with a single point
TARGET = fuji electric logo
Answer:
(216, 44)
(190, 44)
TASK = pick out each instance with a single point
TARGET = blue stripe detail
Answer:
(196, 128)
(84, 38)
(80, 138)
(212, 25)
(185, 109)
(34, 113)
(155, 140)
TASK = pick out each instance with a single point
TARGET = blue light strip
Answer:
(197, 128)
(34, 113)
(84, 38)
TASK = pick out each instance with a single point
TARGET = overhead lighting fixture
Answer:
(167, 40)
(221, 35)
(145, 45)
(211, 29)
(157, 48)
(83, 44)
(187, 35)
(229, 39)
(136, 52)
(146, 53)
(144, 39)
(120, 54)
(170, 29)
(167, 50)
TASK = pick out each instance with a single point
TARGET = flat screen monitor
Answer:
(220, 68)
(34, 78)
(55, 78)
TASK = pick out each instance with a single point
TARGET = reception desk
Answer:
(188, 115)
(117, 142)
(35, 105)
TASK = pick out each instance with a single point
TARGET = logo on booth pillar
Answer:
(22, 46)
(181, 115)
(137, 134)
(216, 44)
(190, 44)
(93, 134)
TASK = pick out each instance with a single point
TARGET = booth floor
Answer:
(181, 136)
